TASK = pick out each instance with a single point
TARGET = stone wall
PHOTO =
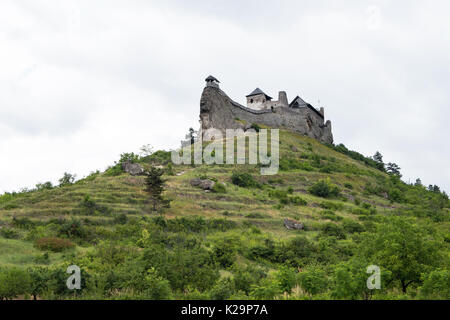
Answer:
(218, 111)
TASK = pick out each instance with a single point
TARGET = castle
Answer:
(218, 111)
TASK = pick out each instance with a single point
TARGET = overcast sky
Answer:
(83, 81)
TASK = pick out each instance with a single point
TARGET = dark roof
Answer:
(211, 78)
(302, 104)
(259, 91)
(299, 100)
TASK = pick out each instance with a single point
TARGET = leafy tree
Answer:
(418, 182)
(350, 280)
(436, 285)
(154, 186)
(222, 290)
(393, 169)
(13, 283)
(44, 186)
(38, 283)
(266, 289)
(286, 278)
(67, 179)
(158, 288)
(402, 248)
(313, 280)
(324, 189)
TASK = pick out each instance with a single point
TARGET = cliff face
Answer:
(218, 111)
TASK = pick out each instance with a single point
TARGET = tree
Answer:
(418, 182)
(436, 285)
(402, 248)
(67, 179)
(393, 169)
(378, 157)
(154, 186)
(39, 278)
(191, 135)
(313, 280)
(350, 280)
(13, 283)
(146, 150)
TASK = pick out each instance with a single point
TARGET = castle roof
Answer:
(211, 78)
(300, 103)
(258, 91)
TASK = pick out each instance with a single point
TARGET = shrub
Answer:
(331, 229)
(223, 289)
(54, 244)
(351, 226)
(244, 180)
(324, 189)
(13, 282)
(219, 188)
(313, 280)
(8, 233)
(348, 186)
(224, 254)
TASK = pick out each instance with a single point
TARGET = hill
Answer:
(231, 242)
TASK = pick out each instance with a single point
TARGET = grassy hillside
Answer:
(232, 243)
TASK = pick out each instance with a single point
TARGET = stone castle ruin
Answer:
(218, 111)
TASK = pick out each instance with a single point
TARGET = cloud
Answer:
(83, 82)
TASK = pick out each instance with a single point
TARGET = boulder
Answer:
(134, 169)
(205, 184)
(293, 225)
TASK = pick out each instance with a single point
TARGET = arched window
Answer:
(251, 100)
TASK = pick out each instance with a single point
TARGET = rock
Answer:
(134, 169)
(205, 184)
(294, 148)
(293, 225)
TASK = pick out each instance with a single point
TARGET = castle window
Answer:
(251, 100)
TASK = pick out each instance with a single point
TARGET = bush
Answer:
(9, 233)
(223, 289)
(244, 180)
(224, 254)
(54, 244)
(324, 189)
(333, 230)
(13, 282)
(219, 188)
(351, 226)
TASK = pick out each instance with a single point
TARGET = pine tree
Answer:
(154, 186)
(393, 169)
(378, 157)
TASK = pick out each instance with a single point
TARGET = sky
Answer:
(82, 82)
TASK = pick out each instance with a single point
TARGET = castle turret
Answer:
(258, 99)
(212, 82)
(282, 99)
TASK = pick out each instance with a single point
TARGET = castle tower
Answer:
(282, 99)
(212, 82)
(258, 100)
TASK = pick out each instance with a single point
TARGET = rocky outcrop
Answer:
(218, 111)
(293, 225)
(133, 169)
(204, 184)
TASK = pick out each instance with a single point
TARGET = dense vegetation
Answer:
(230, 243)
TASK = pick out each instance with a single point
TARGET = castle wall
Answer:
(218, 111)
